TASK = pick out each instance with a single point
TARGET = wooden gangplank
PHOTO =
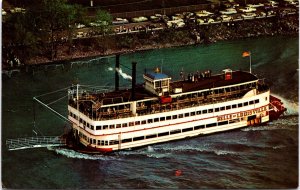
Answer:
(35, 142)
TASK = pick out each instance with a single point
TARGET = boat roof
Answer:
(156, 76)
(213, 81)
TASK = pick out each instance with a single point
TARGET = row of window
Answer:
(172, 132)
(164, 118)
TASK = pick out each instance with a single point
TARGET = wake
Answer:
(77, 155)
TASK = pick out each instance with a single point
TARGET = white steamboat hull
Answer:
(172, 125)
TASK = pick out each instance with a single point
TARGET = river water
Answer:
(255, 157)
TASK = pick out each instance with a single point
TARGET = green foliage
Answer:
(103, 23)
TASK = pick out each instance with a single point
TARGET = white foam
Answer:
(291, 106)
(73, 154)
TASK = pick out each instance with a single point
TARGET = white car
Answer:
(209, 20)
(255, 5)
(226, 18)
(248, 9)
(249, 15)
(200, 21)
(120, 21)
(228, 11)
(4, 12)
(139, 19)
(203, 13)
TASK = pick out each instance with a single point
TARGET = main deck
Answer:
(194, 90)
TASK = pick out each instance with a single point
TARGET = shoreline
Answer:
(169, 38)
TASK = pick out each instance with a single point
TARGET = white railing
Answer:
(35, 142)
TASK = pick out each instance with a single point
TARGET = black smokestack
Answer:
(133, 81)
(117, 67)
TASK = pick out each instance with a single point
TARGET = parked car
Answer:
(226, 18)
(209, 20)
(4, 12)
(120, 21)
(203, 13)
(249, 15)
(200, 21)
(248, 9)
(255, 5)
(228, 11)
(139, 19)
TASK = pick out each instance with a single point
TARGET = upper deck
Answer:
(149, 96)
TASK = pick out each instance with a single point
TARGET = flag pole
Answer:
(250, 61)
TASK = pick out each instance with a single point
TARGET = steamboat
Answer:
(162, 110)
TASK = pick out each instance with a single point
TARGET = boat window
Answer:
(211, 125)
(198, 112)
(233, 106)
(80, 120)
(92, 127)
(222, 108)
(168, 117)
(111, 126)
(174, 116)
(186, 114)
(187, 129)
(131, 124)
(228, 107)
(88, 125)
(162, 119)
(175, 131)
(222, 123)
(163, 134)
(251, 102)
(246, 103)
(156, 119)
(193, 113)
(137, 122)
(234, 120)
(256, 101)
(144, 122)
(204, 111)
(98, 127)
(105, 143)
(124, 125)
(94, 141)
(138, 138)
(127, 140)
(199, 127)
(217, 109)
(118, 126)
(112, 142)
(150, 120)
(101, 143)
(151, 136)
(98, 142)
(180, 115)
(240, 105)
(210, 110)
(105, 126)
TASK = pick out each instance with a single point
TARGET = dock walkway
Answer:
(35, 142)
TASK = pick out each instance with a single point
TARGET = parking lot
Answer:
(232, 12)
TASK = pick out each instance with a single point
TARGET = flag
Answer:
(246, 54)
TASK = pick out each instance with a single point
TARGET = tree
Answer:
(18, 37)
(103, 24)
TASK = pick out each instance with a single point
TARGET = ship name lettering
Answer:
(241, 114)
